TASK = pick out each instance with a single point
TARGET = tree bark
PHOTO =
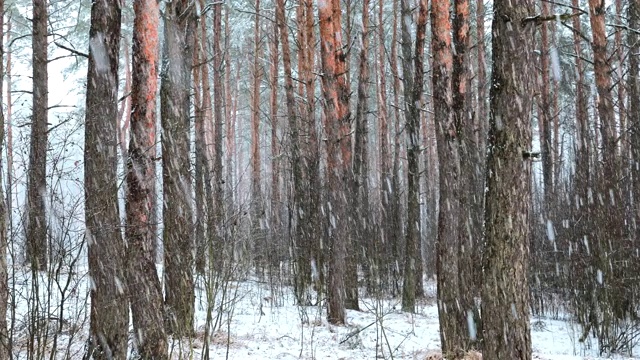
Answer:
(200, 146)
(450, 309)
(147, 310)
(36, 222)
(363, 245)
(108, 334)
(275, 149)
(336, 118)
(344, 141)
(4, 209)
(609, 216)
(9, 121)
(633, 85)
(383, 262)
(217, 215)
(413, 97)
(544, 114)
(602, 70)
(480, 128)
(469, 232)
(620, 72)
(301, 279)
(396, 202)
(256, 192)
(124, 112)
(303, 204)
(583, 181)
(505, 293)
(179, 25)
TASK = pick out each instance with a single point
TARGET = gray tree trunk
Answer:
(4, 219)
(179, 26)
(109, 321)
(36, 223)
(505, 293)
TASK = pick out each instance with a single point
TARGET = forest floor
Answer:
(256, 320)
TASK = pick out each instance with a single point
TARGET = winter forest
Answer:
(330, 179)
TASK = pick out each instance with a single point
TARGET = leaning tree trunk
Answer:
(109, 321)
(179, 25)
(36, 222)
(505, 293)
(147, 310)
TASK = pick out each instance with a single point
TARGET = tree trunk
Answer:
(231, 110)
(633, 84)
(343, 114)
(109, 322)
(396, 202)
(505, 293)
(4, 209)
(544, 114)
(413, 96)
(305, 218)
(301, 279)
(602, 70)
(256, 193)
(468, 232)
(147, 310)
(275, 223)
(609, 217)
(179, 25)
(480, 128)
(336, 118)
(583, 205)
(36, 222)
(200, 146)
(217, 215)
(363, 245)
(450, 309)
(9, 120)
(620, 72)
(380, 258)
(124, 112)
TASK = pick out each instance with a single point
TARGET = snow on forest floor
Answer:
(259, 321)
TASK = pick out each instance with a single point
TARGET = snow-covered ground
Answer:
(255, 320)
